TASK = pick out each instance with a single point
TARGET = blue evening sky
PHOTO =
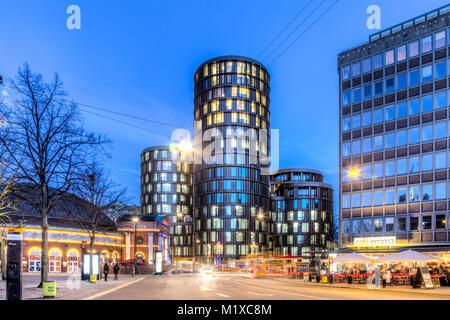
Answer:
(139, 57)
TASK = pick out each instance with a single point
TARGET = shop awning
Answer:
(351, 258)
(408, 255)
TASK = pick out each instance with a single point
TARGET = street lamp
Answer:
(135, 220)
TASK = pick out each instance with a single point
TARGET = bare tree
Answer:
(46, 142)
(102, 202)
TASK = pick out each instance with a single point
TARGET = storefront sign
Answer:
(374, 241)
(14, 265)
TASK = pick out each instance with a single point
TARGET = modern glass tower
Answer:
(302, 212)
(393, 138)
(231, 147)
(166, 189)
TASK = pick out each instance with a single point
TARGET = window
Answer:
(367, 65)
(401, 167)
(378, 170)
(401, 110)
(367, 199)
(390, 169)
(440, 130)
(367, 225)
(346, 149)
(346, 227)
(389, 113)
(441, 100)
(427, 103)
(367, 118)
(439, 40)
(414, 78)
(413, 49)
(389, 224)
(378, 61)
(390, 141)
(401, 53)
(346, 98)
(414, 194)
(427, 162)
(367, 91)
(378, 143)
(378, 116)
(426, 44)
(356, 69)
(356, 147)
(427, 133)
(389, 57)
(441, 191)
(440, 70)
(389, 197)
(346, 72)
(390, 87)
(401, 195)
(426, 222)
(346, 123)
(356, 226)
(440, 160)
(401, 138)
(414, 165)
(440, 221)
(356, 200)
(401, 223)
(414, 135)
(427, 192)
(427, 73)
(367, 145)
(413, 223)
(356, 121)
(378, 198)
(414, 107)
(378, 88)
(345, 202)
(357, 95)
(401, 81)
(378, 225)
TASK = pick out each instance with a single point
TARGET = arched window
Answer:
(73, 256)
(34, 259)
(54, 256)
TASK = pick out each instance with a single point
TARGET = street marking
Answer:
(113, 289)
(223, 295)
(260, 294)
(283, 292)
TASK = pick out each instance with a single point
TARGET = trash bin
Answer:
(49, 289)
(324, 279)
(93, 278)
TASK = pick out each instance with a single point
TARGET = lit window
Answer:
(426, 44)
(401, 53)
(439, 40)
(389, 57)
(413, 49)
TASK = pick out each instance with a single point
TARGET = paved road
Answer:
(236, 287)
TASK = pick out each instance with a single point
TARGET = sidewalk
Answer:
(68, 287)
(437, 290)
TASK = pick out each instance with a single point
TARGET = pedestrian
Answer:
(106, 270)
(116, 271)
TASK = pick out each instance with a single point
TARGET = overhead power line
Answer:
(284, 29)
(294, 30)
(125, 114)
(306, 30)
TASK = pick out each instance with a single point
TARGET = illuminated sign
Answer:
(87, 263)
(375, 241)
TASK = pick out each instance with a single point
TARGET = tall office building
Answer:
(301, 213)
(166, 189)
(393, 138)
(231, 195)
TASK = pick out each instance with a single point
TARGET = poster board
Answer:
(423, 275)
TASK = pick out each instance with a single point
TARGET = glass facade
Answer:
(301, 212)
(231, 195)
(166, 189)
(394, 137)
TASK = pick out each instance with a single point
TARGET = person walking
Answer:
(116, 269)
(106, 270)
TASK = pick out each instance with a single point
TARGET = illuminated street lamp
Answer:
(135, 221)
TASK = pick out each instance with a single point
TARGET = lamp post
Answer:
(135, 220)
